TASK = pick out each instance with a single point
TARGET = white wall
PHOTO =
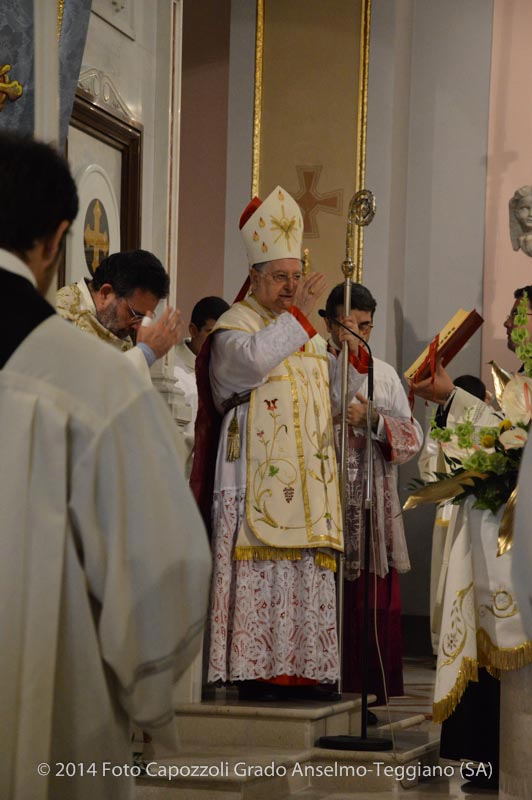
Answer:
(239, 139)
(135, 68)
(426, 163)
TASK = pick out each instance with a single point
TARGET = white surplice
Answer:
(268, 618)
(104, 568)
(397, 439)
(185, 376)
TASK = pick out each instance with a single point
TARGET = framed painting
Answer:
(104, 148)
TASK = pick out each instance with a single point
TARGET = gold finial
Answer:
(306, 262)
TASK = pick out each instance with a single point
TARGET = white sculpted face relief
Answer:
(521, 220)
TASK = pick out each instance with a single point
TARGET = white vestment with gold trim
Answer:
(273, 598)
(481, 619)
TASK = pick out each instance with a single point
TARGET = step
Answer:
(416, 749)
(262, 773)
(398, 722)
(294, 724)
(253, 771)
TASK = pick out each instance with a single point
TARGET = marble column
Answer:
(515, 774)
(46, 71)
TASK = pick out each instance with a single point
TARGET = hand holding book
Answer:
(437, 388)
(427, 376)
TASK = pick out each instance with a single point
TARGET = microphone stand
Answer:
(362, 742)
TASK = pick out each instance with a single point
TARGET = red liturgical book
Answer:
(445, 345)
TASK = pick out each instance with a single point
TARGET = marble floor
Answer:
(419, 676)
(418, 679)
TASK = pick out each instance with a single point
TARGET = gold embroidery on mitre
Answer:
(262, 222)
(285, 227)
(264, 247)
(280, 195)
(255, 236)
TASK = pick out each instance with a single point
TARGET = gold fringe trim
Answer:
(445, 707)
(282, 554)
(495, 673)
(502, 658)
(325, 560)
(494, 659)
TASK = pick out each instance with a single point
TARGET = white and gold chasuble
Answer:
(75, 304)
(292, 499)
(273, 598)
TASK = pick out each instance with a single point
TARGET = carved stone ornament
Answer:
(520, 207)
(104, 92)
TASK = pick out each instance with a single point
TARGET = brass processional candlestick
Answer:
(361, 212)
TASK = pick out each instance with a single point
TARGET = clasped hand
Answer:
(357, 413)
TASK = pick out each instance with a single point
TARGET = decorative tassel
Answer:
(233, 440)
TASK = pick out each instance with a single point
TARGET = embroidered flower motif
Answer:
(271, 405)
(260, 434)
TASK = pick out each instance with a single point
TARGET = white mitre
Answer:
(274, 230)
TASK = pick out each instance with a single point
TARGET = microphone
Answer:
(323, 313)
